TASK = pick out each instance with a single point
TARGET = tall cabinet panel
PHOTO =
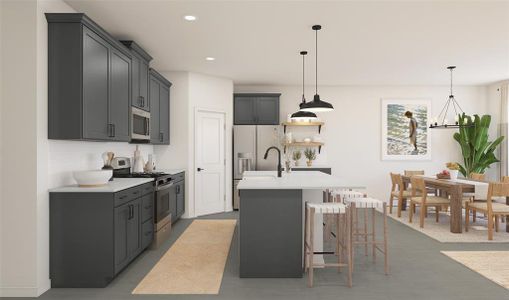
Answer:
(159, 95)
(164, 109)
(96, 58)
(139, 74)
(119, 97)
(89, 86)
(155, 137)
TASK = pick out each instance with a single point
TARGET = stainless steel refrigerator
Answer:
(249, 145)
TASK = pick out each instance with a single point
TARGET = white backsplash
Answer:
(68, 156)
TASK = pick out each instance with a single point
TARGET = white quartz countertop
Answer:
(118, 184)
(170, 171)
(304, 180)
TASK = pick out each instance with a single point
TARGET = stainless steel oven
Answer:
(164, 195)
(140, 124)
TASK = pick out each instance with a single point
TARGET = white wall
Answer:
(31, 164)
(188, 92)
(19, 152)
(352, 133)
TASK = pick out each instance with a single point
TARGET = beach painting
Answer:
(405, 132)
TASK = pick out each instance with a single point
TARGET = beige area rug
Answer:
(195, 263)
(493, 265)
(477, 233)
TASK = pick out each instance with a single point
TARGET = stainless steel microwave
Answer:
(140, 124)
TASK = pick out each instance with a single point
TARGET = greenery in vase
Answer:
(310, 154)
(296, 155)
(478, 153)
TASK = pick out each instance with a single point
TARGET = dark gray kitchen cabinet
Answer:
(256, 108)
(139, 75)
(94, 236)
(159, 95)
(180, 197)
(89, 81)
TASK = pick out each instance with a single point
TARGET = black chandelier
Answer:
(303, 115)
(442, 117)
(316, 105)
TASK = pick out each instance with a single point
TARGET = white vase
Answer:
(454, 174)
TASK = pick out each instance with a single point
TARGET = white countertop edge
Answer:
(117, 185)
(171, 171)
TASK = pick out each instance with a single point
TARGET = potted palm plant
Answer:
(310, 155)
(478, 153)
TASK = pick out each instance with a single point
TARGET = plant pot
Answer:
(454, 174)
(309, 163)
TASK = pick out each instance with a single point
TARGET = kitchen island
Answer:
(272, 221)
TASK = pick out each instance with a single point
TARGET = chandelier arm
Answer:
(441, 112)
(461, 110)
(446, 110)
(454, 104)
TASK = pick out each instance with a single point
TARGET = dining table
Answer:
(455, 191)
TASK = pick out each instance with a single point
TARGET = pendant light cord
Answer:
(451, 82)
(316, 62)
(303, 85)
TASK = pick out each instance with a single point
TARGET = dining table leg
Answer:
(456, 195)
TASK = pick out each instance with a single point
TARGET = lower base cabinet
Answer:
(94, 236)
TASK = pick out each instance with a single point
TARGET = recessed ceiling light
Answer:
(190, 18)
(209, 58)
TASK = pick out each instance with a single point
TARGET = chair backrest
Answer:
(415, 172)
(397, 180)
(505, 179)
(418, 188)
(477, 176)
(497, 189)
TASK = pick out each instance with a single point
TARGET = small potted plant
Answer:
(296, 155)
(453, 169)
(310, 154)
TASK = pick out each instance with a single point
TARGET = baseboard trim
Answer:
(25, 291)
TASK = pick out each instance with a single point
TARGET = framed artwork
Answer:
(405, 132)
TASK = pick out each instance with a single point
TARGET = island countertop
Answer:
(304, 180)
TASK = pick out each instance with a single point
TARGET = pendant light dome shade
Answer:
(303, 115)
(317, 105)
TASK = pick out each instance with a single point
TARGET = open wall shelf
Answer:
(304, 144)
(319, 124)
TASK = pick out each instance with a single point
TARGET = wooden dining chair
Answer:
(398, 191)
(469, 197)
(492, 209)
(421, 198)
(413, 172)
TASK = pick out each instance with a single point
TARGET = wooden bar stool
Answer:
(342, 214)
(371, 204)
(341, 196)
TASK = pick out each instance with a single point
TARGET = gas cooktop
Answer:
(141, 175)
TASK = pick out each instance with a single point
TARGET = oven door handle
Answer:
(164, 187)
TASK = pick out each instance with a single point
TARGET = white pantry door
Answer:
(209, 162)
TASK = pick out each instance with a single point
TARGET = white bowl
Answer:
(92, 178)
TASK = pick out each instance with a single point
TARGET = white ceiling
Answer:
(361, 43)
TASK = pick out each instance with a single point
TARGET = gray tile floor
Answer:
(418, 271)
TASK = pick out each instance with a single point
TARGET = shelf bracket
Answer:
(284, 129)
(319, 129)
(319, 149)
(284, 149)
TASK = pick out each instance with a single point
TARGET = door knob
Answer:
(200, 169)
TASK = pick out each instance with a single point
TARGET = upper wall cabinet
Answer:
(159, 95)
(89, 81)
(139, 75)
(256, 109)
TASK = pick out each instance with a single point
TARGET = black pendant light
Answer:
(303, 115)
(316, 105)
(441, 121)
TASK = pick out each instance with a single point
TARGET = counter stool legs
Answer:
(342, 215)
